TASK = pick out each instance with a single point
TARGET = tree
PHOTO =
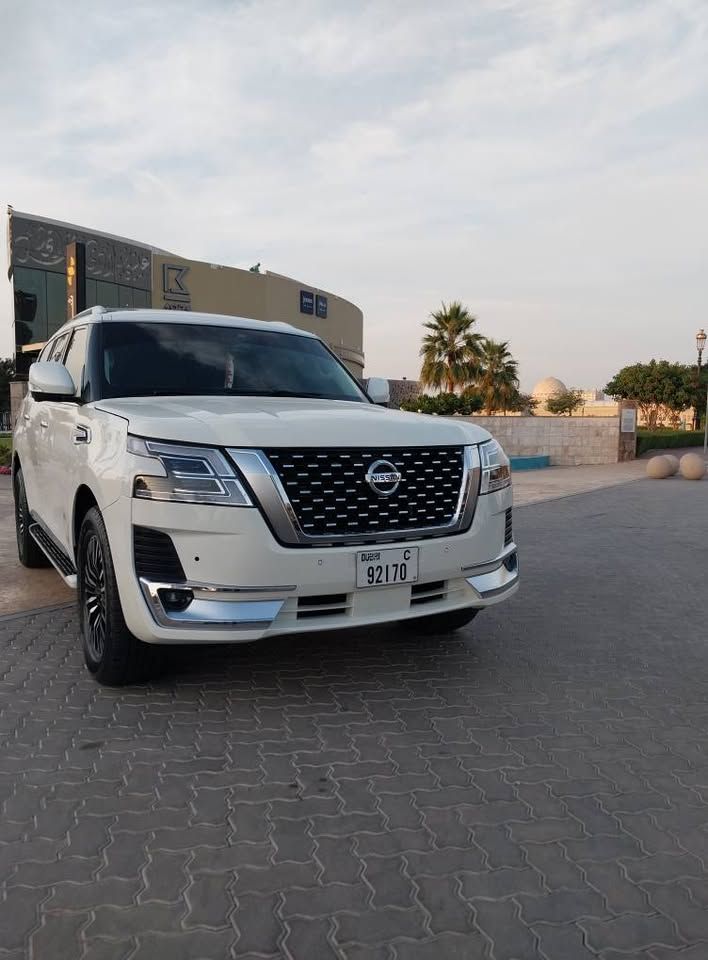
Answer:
(451, 350)
(696, 391)
(661, 389)
(7, 373)
(523, 403)
(566, 403)
(498, 380)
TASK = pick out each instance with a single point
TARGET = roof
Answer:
(549, 387)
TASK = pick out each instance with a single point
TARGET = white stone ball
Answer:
(674, 461)
(693, 466)
(658, 468)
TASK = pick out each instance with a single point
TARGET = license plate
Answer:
(381, 568)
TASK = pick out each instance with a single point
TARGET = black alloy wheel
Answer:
(112, 654)
(94, 599)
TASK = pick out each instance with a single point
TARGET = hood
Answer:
(286, 422)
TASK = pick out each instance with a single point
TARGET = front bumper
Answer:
(246, 586)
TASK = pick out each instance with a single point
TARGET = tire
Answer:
(112, 654)
(28, 550)
(444, 622)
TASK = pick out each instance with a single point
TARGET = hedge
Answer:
(5, 451)
(665, 439)
(444, 404)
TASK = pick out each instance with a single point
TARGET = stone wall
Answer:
(569, 441)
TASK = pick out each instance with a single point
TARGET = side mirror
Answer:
(377, 389)
(49, 380)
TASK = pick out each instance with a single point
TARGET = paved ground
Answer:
(537, 788)
(535, 486)
(553, 483)
(22, 589)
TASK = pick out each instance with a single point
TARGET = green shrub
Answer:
(5, 451)
(444, 404)
(667, 439)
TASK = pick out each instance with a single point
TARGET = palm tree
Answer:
(498, 382)
(451, 351)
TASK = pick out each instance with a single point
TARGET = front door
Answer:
(37, 414)
(66, 446)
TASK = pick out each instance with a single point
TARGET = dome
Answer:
(548, 387)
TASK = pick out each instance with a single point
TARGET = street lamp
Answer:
(701, 338)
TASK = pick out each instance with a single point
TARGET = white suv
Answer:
(201, 478)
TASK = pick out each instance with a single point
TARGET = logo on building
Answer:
(174, 287)
(307, 301)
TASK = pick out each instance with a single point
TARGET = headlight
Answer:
(496, 469)
(191, 475)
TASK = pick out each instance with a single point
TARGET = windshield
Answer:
(191, 359)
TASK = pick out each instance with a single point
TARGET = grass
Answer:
(5, 451)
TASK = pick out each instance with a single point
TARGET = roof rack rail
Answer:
(89, 311)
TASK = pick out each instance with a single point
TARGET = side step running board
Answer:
(54, 553)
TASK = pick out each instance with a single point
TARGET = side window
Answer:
(58, 348)
(76, 357)
(46, 350)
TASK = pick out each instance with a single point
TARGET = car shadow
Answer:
(352, 654)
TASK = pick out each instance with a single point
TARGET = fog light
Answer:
(175, 600)
(511, 563)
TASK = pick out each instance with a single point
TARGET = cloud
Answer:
(541, 159)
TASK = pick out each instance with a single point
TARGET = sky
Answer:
(543, 161)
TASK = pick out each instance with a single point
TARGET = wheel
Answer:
(444, 622)
(28, 550)
(112, 654)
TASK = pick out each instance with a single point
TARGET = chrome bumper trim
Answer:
(214, 606)
(475, 569)
(492, 582)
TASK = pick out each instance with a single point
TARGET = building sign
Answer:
(75, 278)
(41, 245)
(307, 302)
(628, 420)
(174, 287)
(321, 305)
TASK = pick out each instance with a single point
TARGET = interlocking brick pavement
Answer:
(534, 788)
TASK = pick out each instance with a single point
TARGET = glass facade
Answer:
(40, 301)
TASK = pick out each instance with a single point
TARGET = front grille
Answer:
(330, 495)
(155, 556)
(508, 531)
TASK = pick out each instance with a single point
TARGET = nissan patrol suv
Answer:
(202, 478)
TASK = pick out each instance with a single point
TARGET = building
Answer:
(595, 403)
(544, 390)
(126, 273)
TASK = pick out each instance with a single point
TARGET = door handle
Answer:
(26, 416)
(82, 434)
(44, 424)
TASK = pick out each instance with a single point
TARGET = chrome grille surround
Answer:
(286, 517)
